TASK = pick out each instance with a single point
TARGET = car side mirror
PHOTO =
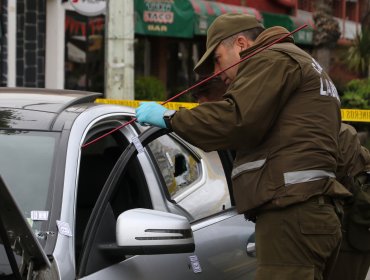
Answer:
(147, 232)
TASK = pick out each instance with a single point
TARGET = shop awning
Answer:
(181, 18)
(303, 36)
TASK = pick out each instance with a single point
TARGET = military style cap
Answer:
(223, 27)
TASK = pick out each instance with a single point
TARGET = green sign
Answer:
(173, 18)
(186, 18)
(303, 36)
(207, 11)
(181, 18)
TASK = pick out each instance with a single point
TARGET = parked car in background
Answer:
(139, 203)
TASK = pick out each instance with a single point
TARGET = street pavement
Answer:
(368, 275)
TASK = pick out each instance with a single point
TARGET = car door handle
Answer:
(251, 249)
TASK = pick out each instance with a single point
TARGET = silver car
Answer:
(83, 196)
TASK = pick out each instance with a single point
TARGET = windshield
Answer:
(25, 164)
(26, 161)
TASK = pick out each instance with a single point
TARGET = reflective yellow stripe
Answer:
(352, 115)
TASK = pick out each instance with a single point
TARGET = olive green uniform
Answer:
(353, 160)
(281, 114)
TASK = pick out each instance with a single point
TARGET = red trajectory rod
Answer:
(199, 83)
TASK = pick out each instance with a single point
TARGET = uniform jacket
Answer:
(281, 115)
(353, 158)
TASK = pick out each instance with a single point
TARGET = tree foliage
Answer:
(149, 88)
(359, 53)
(357, 95)
(327, 30)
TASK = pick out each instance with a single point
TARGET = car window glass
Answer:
(198, 186)
(25, 164)
(179, 167)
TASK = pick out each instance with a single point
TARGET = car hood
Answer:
(18, 231)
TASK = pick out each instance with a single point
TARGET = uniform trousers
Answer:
(300, 241)
(351, 264)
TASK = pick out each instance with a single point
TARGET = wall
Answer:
(261, 5)
(4, 44)
(31, 28)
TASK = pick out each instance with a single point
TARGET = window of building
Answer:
(84, 52)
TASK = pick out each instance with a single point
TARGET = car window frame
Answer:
(108, 189)
(131, 151)
(226, 160)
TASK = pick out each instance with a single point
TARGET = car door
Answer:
(221, 235)
(137, 181)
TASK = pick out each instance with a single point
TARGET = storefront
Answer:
(172, 35)
(181, 19)
(84, 52)
(169, 38)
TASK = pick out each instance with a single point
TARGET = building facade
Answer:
(23, 45)
(47, 43)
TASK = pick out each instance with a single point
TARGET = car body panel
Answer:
(215, 262)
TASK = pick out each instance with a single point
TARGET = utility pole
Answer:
(12, 42)
(119, 50)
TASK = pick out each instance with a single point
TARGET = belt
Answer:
(324, 199)
(321, 199)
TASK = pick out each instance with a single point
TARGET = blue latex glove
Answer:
(151, 113)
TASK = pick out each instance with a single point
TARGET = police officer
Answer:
(281, 114)
(212, 90)
(353, 165)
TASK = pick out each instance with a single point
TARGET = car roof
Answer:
(35, 108)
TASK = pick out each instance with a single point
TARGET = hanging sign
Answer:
(89, 7)
(173, 18)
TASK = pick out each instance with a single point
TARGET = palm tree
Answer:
(326, 33)
(359, 53)
(358, 57)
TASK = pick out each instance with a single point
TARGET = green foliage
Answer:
(357, 95)
(149, 88)
(359, 53)
(327, 31)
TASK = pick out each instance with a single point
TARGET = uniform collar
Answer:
(267, 37)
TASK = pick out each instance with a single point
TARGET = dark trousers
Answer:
(298, 242)
(351, 264)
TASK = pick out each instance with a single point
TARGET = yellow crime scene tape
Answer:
(354, 115)
(351, 115)
(135, 103)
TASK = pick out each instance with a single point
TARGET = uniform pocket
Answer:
(318, 219)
